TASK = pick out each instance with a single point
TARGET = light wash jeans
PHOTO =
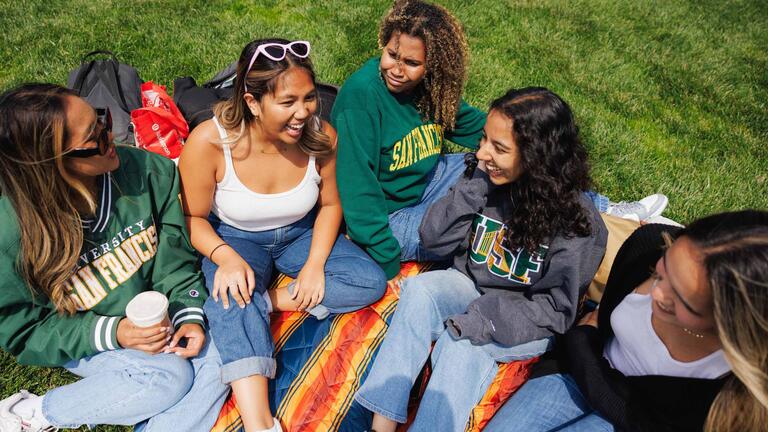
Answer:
(549, 403)
(352, 281)
(161, 392)
(461, 372)
(405, 222)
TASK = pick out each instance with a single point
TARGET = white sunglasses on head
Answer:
(277, 51)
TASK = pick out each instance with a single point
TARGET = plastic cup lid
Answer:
(147, 307)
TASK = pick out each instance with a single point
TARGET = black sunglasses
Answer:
(104, 122)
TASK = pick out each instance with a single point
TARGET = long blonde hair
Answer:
(33, 135)
(233, 113)
(735, 250)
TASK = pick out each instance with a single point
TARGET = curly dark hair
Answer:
(446, 52)
(546, 196)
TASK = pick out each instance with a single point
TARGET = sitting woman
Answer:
(259, 181)
(394, 116)
(526, 242)
(658, 353)
(86, 227)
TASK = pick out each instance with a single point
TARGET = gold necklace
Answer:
(693, 333)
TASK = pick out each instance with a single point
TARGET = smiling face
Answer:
(403, 63)
(499, 151)
(682, 295)
(282, 116)
(83, 133)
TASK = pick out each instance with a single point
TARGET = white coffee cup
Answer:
(147, 309)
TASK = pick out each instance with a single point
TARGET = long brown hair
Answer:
(33, 135)
(233, 113)
(735, 250)
(446, 50)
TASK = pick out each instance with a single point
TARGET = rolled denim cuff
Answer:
(319, 311)
(399, 418)
(265, 366)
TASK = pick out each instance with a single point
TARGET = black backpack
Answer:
(107, 83)
(196, 102)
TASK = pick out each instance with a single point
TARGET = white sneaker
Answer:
(10, 422)
(664, 221)
(647, 208)
(275, 426)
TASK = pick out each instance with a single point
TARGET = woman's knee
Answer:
(459, 352)
(167, 377)
(358, 279)
(374, 279)
(422, 288)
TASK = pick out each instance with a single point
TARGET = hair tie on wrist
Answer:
(210, 255)
(470, 160)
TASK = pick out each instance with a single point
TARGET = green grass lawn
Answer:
(671, 96)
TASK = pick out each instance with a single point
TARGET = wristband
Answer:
(210, 255)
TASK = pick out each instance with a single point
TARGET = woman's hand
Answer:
(309, 288)
(589, 319)
(195, 336)
(151, 339)
(234, 276)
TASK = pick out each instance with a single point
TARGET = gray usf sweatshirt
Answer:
(525, 296)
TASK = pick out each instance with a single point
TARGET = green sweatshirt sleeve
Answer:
(469, 126)
(32, 331)
(362, 199)
(175, 271)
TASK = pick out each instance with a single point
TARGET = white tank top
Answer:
(637, 350)
(242, 208)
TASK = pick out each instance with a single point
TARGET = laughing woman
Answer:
(679, 342)
(86, 227)
(260, 184)
(394, 116)
(526, 243)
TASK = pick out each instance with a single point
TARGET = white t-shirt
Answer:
(637, 350)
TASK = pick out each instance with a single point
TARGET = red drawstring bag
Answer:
(159, 127)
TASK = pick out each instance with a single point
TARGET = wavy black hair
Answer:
(555, 169)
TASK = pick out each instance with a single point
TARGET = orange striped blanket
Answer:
(321, 364)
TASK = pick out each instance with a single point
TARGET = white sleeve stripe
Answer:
(108, 333)
(97, 334)
(187, 318)
(187, 310)
(106, 201)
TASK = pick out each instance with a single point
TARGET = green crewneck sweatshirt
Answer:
(385, 152)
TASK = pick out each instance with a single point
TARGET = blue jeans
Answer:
(461, 372)
(405, 222)
(161, 392)
(352, 281)
(601, 201)
(549, 403)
